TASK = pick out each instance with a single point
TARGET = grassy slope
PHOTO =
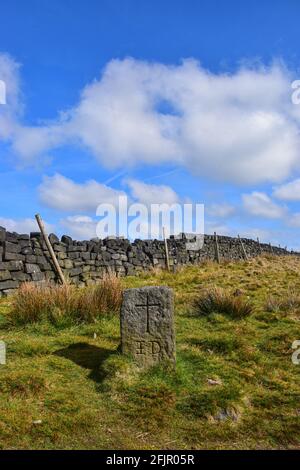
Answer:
(88, 396)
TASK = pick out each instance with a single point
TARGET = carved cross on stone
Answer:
(148, 305)
(147, 329)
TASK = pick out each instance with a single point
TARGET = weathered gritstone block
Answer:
(147, 325)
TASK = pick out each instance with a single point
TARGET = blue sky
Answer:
(166, 101)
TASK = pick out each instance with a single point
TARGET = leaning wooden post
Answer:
(259, 247)
(166, 250)
(50, 249)
(243, 248)
(217, 248)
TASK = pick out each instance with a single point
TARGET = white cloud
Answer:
(261, 205)
(151, 193)
(30, 142)
(289, 191)
(294, 219)
(23, 225)
(221, 210)
(80, 227)
(64, 194)
(239, 127)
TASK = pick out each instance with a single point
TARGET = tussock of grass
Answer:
(65, 304)
(286, 303)
(219, 301)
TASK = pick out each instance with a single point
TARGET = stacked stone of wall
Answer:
(25, 258)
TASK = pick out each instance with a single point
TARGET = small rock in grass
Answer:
(214, 382)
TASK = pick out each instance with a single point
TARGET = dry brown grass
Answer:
(66, 304)
(104, 297)
(217, 300)
(287, 303)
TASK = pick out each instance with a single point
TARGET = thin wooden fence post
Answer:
(217, 252)
(166, 250)
(243, 248)
(259, 247)
(50, 249)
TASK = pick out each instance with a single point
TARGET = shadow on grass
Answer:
(89, 357)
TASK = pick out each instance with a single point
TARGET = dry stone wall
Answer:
(25, 258)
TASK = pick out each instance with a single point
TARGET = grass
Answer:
(290, 302)
(66, 386)
(220, 301)
(65, 305)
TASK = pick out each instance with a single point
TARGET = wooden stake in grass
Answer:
(259, 247)
(166, 250)
(217, 248)
(50, 249)
(243, 248)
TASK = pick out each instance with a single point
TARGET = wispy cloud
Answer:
(289, 191)
(261, 205)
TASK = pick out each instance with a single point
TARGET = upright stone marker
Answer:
(147, 327)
